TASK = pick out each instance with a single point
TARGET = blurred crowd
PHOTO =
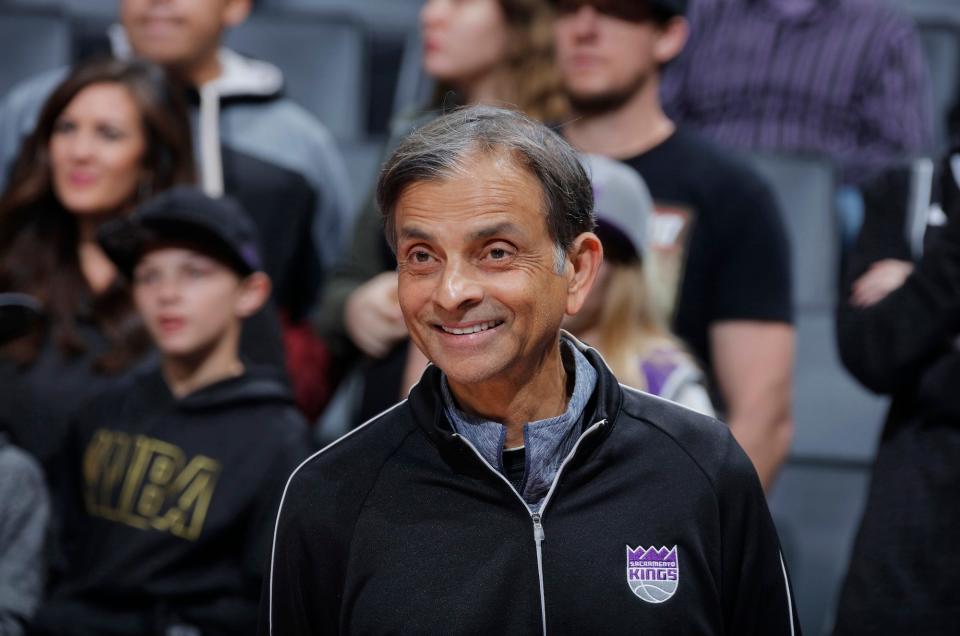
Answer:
(191, 300)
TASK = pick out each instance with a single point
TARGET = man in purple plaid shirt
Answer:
(841, 78)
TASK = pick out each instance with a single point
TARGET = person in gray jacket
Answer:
(24, 502)
(242, 122)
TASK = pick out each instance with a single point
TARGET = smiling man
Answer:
(520, 489)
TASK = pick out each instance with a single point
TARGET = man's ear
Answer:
(254, 291)
(235, 12)
(585, 256)
(671, 40)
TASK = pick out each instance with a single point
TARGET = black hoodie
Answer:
(170, 505)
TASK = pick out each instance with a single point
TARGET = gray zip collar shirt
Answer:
(546, 442)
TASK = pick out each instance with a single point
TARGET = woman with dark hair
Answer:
(111, 134)
(497, 52)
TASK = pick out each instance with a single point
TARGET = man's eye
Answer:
(498, 253)
(420, 257)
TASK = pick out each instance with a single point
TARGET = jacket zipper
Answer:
(536, 517)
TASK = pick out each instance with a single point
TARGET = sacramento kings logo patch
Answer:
(653, 574)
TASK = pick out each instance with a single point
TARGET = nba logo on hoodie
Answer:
(653, 574)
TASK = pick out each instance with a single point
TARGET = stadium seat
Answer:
(31, 41)
(938, 22)
(817, 508)
(834, 417)
(804, 188)
(949, 9)
(323, 59)
(941, 43)
(99, 8)
(363, 165)
(413, 84)
(379, 15)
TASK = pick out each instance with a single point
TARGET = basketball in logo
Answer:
(653, 574)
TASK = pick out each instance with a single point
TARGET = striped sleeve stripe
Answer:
(276, 525)
(786, 586)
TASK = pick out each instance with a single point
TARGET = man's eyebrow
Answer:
(505, 227)
(414, 233)
(419, 234)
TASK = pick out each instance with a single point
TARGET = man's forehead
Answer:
(487, 181)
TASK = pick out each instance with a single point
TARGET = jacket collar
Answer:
(426, 399)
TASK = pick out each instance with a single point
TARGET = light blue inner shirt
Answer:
(546, 442)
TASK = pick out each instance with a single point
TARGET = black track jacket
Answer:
(401, 527)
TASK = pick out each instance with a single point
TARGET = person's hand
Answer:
(882, 278)
(372, 315)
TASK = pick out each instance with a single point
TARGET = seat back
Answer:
(323, 59)
(804, 188)
(31, 42)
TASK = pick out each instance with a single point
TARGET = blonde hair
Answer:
(628, 324)
(533, 81)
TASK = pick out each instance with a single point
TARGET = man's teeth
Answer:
(474, 329)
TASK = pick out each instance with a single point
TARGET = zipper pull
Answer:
(537, 528)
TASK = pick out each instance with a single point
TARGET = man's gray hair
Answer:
(443, 147)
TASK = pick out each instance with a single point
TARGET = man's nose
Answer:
(459, 286)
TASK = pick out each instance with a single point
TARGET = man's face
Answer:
(178, 32)
(477, 279)
(605, 53)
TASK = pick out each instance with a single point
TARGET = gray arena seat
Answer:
(941, 44)
(817, 510)
(100, 8)
(942, 8)
(938, 22)
(363, 160)
(835, 418)
(414, 86)
(379, 15)
(323, 59)
(31, 41)
(805, 191)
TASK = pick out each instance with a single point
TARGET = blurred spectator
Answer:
(253, 143)
(24, 503)
(24, 513)
(898, 334)
(108, 137)
(617, 317)
(175, 472)
(846, 79)
(478, 51)
(719, 263)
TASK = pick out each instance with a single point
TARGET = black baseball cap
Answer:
(628, 9)
(18, 312)
(217, 227)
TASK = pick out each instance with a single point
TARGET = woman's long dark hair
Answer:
(39, 237)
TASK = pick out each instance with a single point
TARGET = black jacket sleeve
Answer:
(756, 591)
(888, 345)
(303, 587)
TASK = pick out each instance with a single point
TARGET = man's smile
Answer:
(463, 330)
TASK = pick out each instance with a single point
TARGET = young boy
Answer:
(176, 472)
